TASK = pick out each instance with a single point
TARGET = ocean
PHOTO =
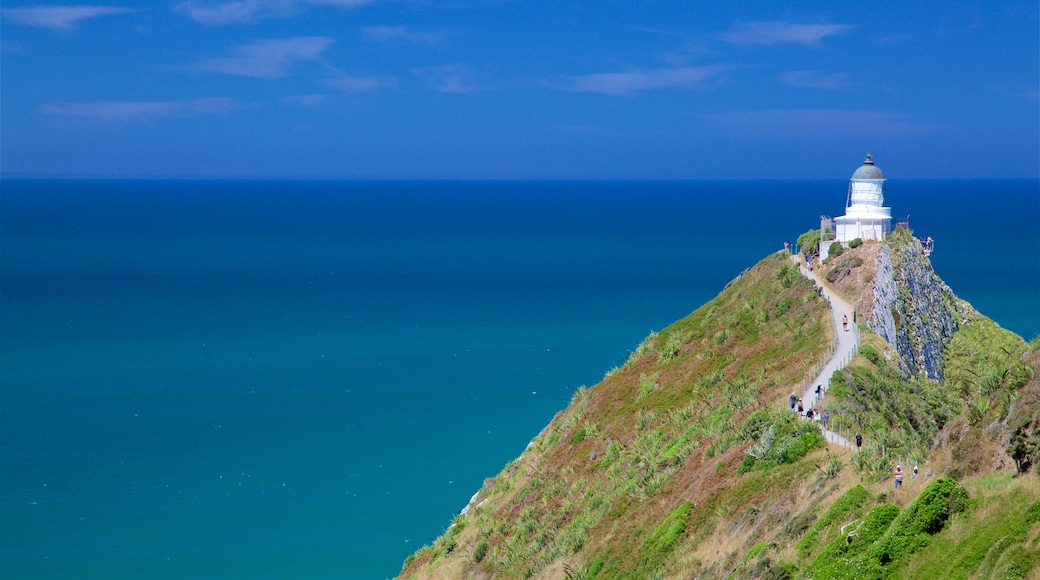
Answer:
(306, 379)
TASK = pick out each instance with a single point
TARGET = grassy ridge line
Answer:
(613, 465)
(641, 476)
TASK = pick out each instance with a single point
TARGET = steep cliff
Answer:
(913, 309)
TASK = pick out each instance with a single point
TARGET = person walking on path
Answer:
(899, 476)
(845, 321)
(794, 399)
(859, 441)
(819, 392)
(826, 418)
(844, 347)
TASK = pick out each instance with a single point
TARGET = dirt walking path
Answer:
(847, 331)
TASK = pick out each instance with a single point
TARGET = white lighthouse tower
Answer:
(866, 216)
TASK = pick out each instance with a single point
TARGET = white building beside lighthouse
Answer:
(866, 216)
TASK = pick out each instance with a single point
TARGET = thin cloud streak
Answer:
(307, 101)
(60, 18)
(359, 84)
(242, 11)
(1018, 91)
(814, 79)
(403, 34)
(266, 59)
(140, 110)
(823, 125)
(690, 77)
(770, 33)
(449, 78)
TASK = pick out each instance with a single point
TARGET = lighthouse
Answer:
(866, 216)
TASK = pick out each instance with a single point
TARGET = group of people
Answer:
(812, 412)
(898, 475)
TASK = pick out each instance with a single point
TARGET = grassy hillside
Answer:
(685, 463)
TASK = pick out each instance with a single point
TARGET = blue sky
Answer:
(497, 89)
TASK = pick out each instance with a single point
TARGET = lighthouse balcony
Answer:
(868, 211)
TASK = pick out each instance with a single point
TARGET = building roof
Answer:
(868, 170)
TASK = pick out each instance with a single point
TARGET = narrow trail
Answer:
(845, 348)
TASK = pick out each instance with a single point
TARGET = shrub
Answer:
(856, 243)
(835, 250)
(876, 523)
(663, 538)
(783, 440)
(958, 500)
(787, 274)
(781, 571)
(833, 467)
(871, 354)
(782, 307)
(810, 243)
(911, 530)
(841, 511)
(671, 346)
(799, 524)
(480, 551)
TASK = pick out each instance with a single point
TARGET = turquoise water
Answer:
(309, 379)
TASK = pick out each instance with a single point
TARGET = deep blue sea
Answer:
(274, 379)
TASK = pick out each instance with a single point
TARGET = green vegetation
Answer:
(886, 537)
(992, 541)
(848, 507)
(782, 438)
(810, 243)
(662, 540)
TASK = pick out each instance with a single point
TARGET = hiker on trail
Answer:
(913, 474)
(845, 321)
(859, 441)
(801, 407)
(794, 398)
(808, 414)
(816, 413)
(826, 418)
(899, 476)
(819, 392)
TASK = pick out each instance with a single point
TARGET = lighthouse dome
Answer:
(868, 170)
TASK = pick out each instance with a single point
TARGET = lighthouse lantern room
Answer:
(866, 217)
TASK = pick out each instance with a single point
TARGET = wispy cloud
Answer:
(767, 33)
(307, 101)
(359, 84)
(1018, 91)
(140, 110)
(819, 124)
(814, 79)
(266, 58)
(59, 17)
(688, 77)
(402, 34)
(251, 10)
(450, 78)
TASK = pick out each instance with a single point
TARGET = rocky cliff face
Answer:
(913, 309)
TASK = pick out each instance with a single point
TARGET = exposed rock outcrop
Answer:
(913, 309)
